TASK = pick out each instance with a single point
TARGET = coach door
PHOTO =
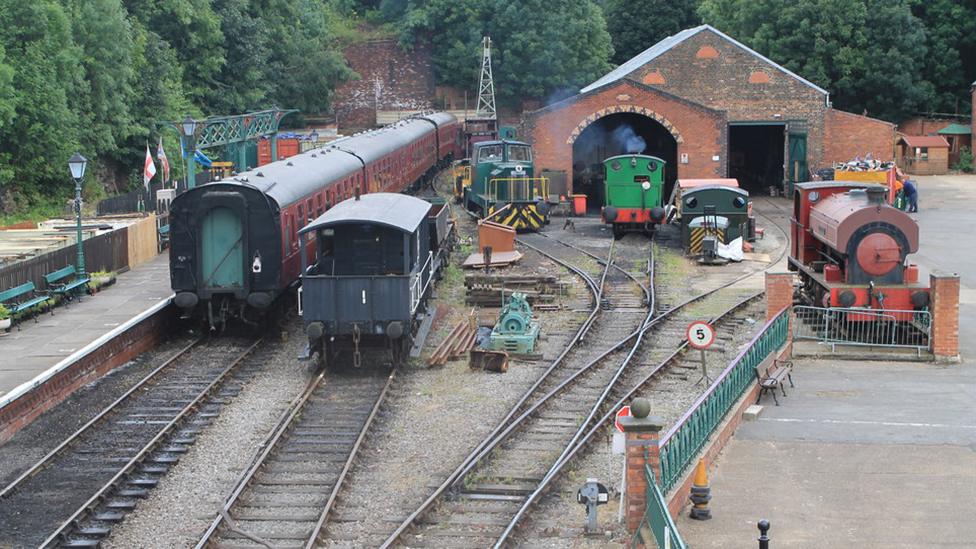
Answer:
(222, 249)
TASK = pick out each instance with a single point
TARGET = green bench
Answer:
(21, 298)
(60, 281)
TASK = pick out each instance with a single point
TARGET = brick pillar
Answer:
(779, 293)
(641, 434)
(945, 316)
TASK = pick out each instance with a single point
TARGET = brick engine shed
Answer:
(711, 107)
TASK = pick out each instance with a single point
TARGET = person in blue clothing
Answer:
(911, 194)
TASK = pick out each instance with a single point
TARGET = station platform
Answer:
(31, 348)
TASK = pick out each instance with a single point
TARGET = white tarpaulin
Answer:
(731, 251)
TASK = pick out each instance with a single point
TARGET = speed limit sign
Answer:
(700, 335)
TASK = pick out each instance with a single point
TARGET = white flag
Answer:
(149, 170)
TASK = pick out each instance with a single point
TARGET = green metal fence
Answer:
(657, 520)
(685, 439)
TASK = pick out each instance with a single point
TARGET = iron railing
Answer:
(657, 521)
(681, 444)
(863, 327)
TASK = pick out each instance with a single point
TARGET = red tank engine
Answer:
(851, 248)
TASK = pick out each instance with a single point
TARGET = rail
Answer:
(863, 327)
(680, 445)
(518, 189)
(657, 522)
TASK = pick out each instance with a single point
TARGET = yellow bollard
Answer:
(701, 493)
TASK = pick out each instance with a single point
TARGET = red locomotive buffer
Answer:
(850, 249)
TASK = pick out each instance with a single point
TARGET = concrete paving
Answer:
(865, 454)
(35, 347)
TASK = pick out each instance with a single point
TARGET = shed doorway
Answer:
(756, 155)
(615, 134)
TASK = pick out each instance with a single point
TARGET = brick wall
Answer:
(779, 293)
(702, 131)
(390, 79)
(945, 315)
(921, 125)
(847, 135)
(710, 70)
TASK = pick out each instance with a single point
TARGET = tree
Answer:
(868, 53)
(540, 47)
(950, 35)
(43, 131)
(636, 25)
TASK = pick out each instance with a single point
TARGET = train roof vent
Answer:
(314, 155)
(289, 163)
(260, 174)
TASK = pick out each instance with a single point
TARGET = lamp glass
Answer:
(77, 164)
(189, 126)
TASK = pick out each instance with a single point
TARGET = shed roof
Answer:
(925, 141)
(670, 42)
(956, 129)
(398, 211)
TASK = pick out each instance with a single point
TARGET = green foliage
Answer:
(965, 160)
(4, 312)
(95, 76)
(539, 47)
(873, 55)
(657, 19)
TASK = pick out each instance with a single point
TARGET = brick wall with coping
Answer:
(945, 315)
(703, 130)
(390, 79)
(848, 135)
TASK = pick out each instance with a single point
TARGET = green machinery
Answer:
(717, 211)
(503, 186)
(516, 331)
(633, 190)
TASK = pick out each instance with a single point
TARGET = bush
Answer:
(965, 160)
(4, 312)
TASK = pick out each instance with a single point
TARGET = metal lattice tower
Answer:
(486, 87)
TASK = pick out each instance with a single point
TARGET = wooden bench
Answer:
(773, 376)
(21, 298)
(60, 281)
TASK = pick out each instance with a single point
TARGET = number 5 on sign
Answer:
(700, 335)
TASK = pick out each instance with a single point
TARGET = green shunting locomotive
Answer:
(503, 187)
(633, 190)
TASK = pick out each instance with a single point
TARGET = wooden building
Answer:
(959, 137)
(923, 154)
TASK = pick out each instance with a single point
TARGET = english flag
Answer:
(163, 161)
(149, 170)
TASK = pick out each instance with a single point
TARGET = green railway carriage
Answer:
(504, 187)
(718, 210)
(633, 190)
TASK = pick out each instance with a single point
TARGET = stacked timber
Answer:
(488, 290)
(458, 342)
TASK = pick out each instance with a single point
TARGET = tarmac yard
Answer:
(864, 454)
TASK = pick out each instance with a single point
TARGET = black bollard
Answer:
(763, 538)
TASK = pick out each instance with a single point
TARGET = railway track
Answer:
(495, 478)
(502, 480)
(74, 494)
(286, 496)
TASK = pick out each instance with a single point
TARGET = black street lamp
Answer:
(189, 131)
(77, 165)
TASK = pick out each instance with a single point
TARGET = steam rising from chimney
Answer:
(627, 139)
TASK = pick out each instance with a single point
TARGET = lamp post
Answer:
(189, 131)
(77, 164)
